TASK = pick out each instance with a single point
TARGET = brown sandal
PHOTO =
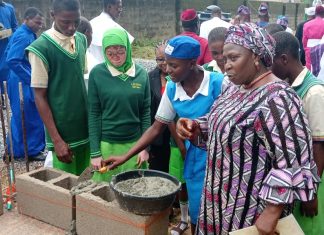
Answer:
(178, 228)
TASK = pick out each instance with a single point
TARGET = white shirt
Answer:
(213, 64)
(166, 112)
(208, 25)
(289, 30)
(100, 25)
(130, 72)
(313, 102)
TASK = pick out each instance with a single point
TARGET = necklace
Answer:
(251, 84)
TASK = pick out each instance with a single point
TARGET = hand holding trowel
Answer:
(89, 171)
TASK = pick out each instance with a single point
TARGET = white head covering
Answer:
(310, 11)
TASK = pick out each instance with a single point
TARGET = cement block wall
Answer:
(98, 213)
(44, 194)
(158, 19)
(143, 19)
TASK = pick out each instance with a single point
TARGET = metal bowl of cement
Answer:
(148, 191)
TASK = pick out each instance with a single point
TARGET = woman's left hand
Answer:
(142, 157)
(267, 221)
(309, 208)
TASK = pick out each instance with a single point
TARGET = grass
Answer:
(144, 49)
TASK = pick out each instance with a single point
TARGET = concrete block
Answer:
(97, 212)
(45, 174)
(44, 194)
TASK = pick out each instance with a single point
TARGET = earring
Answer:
(256, 63)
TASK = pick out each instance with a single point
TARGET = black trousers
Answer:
(159, 158)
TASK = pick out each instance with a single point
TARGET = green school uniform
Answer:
(67, 98)
(311, 226)
(119, 106)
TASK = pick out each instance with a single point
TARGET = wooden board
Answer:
(286, 226)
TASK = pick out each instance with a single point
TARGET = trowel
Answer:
(88, 173)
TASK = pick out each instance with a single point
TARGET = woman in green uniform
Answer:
(119, 104)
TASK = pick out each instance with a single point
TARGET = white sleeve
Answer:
(203, 31)
(165, 112)
(96, 55)
(131, 38)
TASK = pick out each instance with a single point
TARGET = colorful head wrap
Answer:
(283, 21)
(243, 10)
(253, 38)
(117, 37)
(183, 47)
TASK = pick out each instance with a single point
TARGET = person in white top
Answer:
(100, 24)
(86, 29)
(214, 22)
(283, 21)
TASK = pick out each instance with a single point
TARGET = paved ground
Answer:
(12, 223)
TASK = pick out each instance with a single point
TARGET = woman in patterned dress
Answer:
(259, 145)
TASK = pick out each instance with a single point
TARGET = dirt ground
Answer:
(175, 220)
(13, 223)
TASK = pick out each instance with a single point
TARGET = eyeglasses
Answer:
(160, 60)
(115, 53)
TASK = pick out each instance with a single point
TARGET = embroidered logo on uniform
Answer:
(169, 49)
(136, 85)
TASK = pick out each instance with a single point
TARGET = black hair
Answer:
(65, 5)
(84, 25)
(31, 12)
(274, 28)
(286, 43)
(217, 34)
(190, 25)
(109, 2)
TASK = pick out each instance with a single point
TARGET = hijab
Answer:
(117, 37)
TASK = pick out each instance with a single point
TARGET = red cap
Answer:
(188, 15)
(319, 10)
